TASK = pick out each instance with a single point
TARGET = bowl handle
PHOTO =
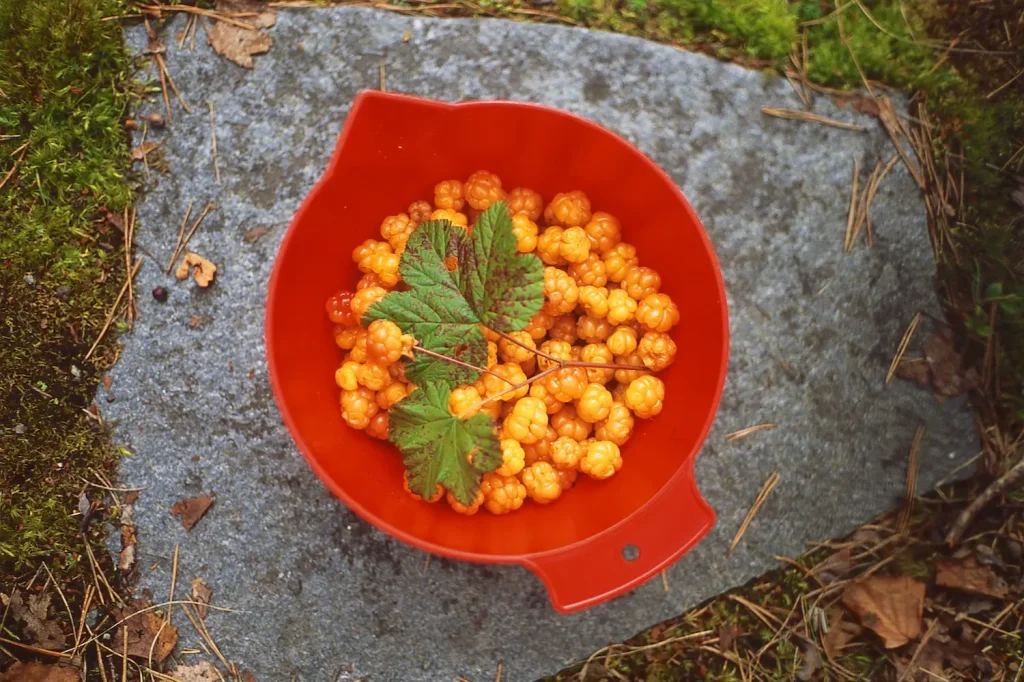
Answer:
(629, 553)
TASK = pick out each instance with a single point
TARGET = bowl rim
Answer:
(530, 560)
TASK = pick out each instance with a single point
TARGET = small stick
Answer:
(206, 209)
(383, 78)
(71, 617)
(163, 65)
(129, 231)
(184, 34)
(797, 115)
(195, 29)
(23, 149)
(99, 570)
(743, 433)
(445, 358)
(664, 580)
(86, 603)
(994, 490)
(200, 626)
(846, 43)
(902, 348)
(163, 87)
(861, 212)
(538, 351)
(853, 207)
(497, 675)
(124, 654)
(33, 649)
(174, 579)
(181, 235)
(113, 311)
(213, 140)
(911, 492)
(769, 484)
(426, 562)
(198, 10)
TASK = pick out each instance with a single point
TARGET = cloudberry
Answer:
(454, 217)
(525, 202)
(358, 406)
(528, 421)
(594, 301)
(391, 394)
(566, 477)
(525, 231)
(618, 260)
(539, 390)
(460, 508)
(541, 482)
(566, 452)
(339, 309)
(548, 246)
(604, 231)
(539, 325)
(502, 494)
(624, 376)
(560, 292)
(540, 451)
(598, 352)
(623, 340)
(448, 194)
(346, 337)
(345, 376)
(567, 423)
(509, 374)
(617, 427)
(378, 426)
(564, 329)
(569, 209)
(641, 282)
(601, 460)
(519, 349)
(657, 350)
(419, 211)
(621, 308)
(566, 384)
(657, 312)
(482, 189)
(595, 403)
(591, 271)
(645, 396)
(364, 298)
(513, 459)
(573, 245)
(396, 230)
(384, 342)
(593, 330)
(559, 350)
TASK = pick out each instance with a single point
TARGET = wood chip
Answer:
(970, 576)
(191, 509)
(797, 115)
(202, 270)
(890, 606)
(202, 594)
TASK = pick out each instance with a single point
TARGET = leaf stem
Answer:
(439, 356)
(570, 363)
(523, 345)
(510, 389)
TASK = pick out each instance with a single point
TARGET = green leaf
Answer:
(459, 282)
(436, 445)
(994, 290)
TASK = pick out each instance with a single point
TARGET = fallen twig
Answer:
(911, 489)
(23, 148)
(113, 312)
(797, 115)
(213, 142)
(902, 348)
(181, 235)
(750, 430)
(769, 484)
(994, 490)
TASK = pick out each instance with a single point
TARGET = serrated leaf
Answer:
(436, 445)
(459, 282)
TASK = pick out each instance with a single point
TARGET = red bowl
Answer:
(603, 538)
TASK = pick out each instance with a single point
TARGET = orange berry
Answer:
(541, 482)
(618, 260)
(593, 330)
(601, 460)
(502, 494)
(549, 244)
(598, 352)
(358, 406)
(482, 189)
(617, 427)
(434, 498)
(625, 376)
(378, 427)
(566, 452)
(591, 271)
(452, 216)
(567, 423)
(569, 209)
(513, 459)
(645, 396)
(604, 231)
(657, 312)
(525, 231)
(539, 325)
(564, 329)
(460, 508)
(526, 202)
(641, 282)
(419, 211)
(364, 298)
(448, 194)
(339, 309)
(657, 350)
(560, 292)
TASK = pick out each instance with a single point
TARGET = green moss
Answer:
(61, 266)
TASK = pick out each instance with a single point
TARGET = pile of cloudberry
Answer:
(602, 310)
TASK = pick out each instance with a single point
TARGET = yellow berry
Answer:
(569, 209)
(623, 340)
(560, 350)
(502, 494)
(492, 354)
(519, 350)
(589, 272)
(567, 423)
(373, 376)
(361, 254)
(566, 477)
(345, 376)
(598, 352)
(595, 403)
(346, 338)
(370, 279)
(391, 394)
(419, 211)
(378, 426)
(540, 451)
(489, 334)
(460, 508)
(594, 301)
(454, 217)
(566, 384)
(539, 390)
(645, 396)
(621, 308)
(604, 231)
(396, 230)
(364, 298)
(525, 202)
(601, 460)
(617, 427)
(539, 325)
(358, 406)
(657, 312)
(541, 482)
(564, 329)
(528, 421)
(618, 260)
(548, 246)
(358, 352)
(513, 459)
(566, 452)
(624, 376)
(593, 330)
(463, 400)
(619, 392)
(448, 194)
(560, 292)
(657, 350)
(438, 493)
(573, 246)
(525, 231)
(509, 374)
(386, 267)
(384, 342)
(640, 282)
(482, 189)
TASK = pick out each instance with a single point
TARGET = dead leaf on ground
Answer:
(916, 370)
(861, 103)
(203, 271)
(840, 633)
(239, 44)
(890, 606)
(32, 611)
(928, 665)
(810, 657)
(255, 233)
(969, 576)
(202, 594)
(191, 509)
(834, 567)
(727, 634)
(126, 559)
(108, 381)
(247, 676)
(143, 627)
(200, 672)
(140, 152)
(945, 364)
(40, 672)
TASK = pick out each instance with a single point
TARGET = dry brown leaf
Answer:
(255, 233)
(916, 370)
(890, 606)
(834, 567)
(948, 376)
(969, 576)
(727, 634)
(247, 676)
(201, 593)
(126, 559)
(200, 672)
(108, 381)
(810, 657)
(40, 672)
(239, 44)
(33, 612)
(840, 633)
(140, 152)
(191, 509)
(143, 627)
(203, 271)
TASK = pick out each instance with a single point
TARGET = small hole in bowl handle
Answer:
(630, 552)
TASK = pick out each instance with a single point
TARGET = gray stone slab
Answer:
(320, 593)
